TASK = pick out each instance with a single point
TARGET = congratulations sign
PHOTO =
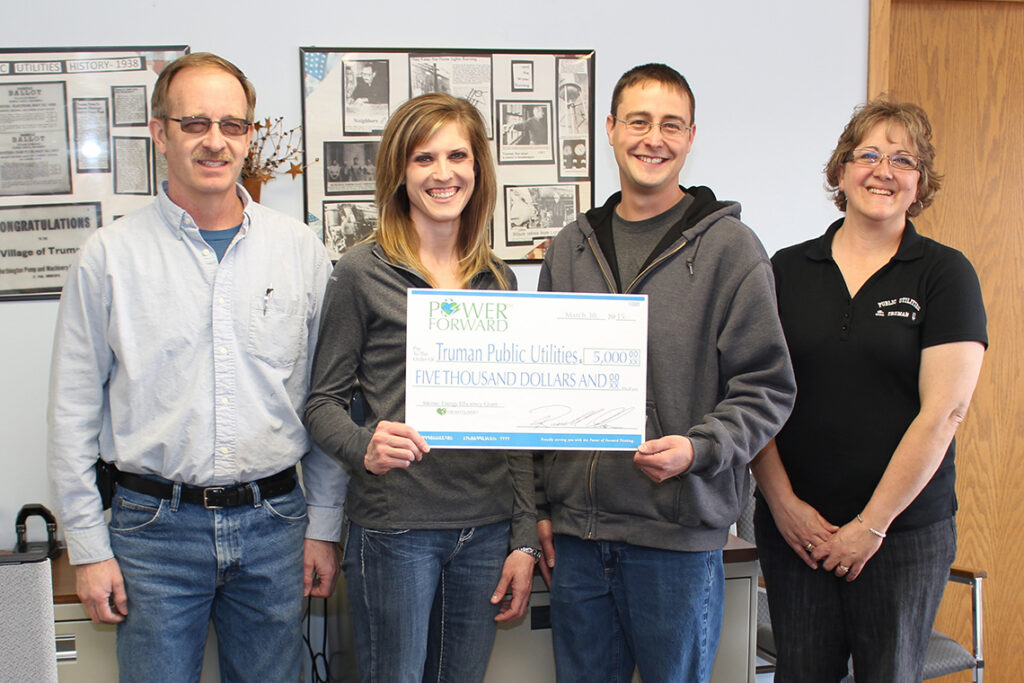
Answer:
(526, 370)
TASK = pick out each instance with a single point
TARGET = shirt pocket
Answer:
(277, 330)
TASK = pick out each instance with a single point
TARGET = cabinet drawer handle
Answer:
(67, 650)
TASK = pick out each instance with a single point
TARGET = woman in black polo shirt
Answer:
(855, 516)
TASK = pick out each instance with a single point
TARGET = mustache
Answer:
(224, 155)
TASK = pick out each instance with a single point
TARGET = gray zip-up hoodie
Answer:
(362, 338)
(718, 373)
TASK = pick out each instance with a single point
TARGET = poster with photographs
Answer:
(537, 107)
(74, 153)
(346, 224)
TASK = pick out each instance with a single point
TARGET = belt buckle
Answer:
(215, 490)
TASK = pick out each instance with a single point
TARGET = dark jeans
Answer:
(420, 601)
(883, 618)
(616, 605)
(183, 564)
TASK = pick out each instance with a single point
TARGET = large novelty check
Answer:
(526, 370)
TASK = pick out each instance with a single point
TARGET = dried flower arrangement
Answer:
(273, 146)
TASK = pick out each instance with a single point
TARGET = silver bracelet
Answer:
(876, 532)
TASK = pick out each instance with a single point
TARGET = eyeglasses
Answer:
(670, 129)
(872, 157)
(198, 125)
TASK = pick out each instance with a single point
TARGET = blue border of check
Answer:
(532, 440)
(524, 295)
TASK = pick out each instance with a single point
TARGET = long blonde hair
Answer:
(414, 122)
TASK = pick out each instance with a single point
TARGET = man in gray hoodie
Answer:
(638, 537)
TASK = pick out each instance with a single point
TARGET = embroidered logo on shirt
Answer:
(901, 307)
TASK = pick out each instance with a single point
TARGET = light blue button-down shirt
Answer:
(167, 362)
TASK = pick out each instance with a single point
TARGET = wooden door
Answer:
(963, 61)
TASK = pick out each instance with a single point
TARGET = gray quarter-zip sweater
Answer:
(718, 373)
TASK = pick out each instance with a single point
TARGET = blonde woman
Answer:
(427, 561)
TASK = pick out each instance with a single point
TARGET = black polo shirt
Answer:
(857, 363)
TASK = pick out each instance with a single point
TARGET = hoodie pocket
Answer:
(653, 430)
(667, 497)
(567, 478)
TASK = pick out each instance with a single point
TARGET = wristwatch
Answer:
(532, 552)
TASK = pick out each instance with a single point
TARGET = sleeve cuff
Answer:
(324, 523)
(524, 532)
(88, 545)
(701, 455)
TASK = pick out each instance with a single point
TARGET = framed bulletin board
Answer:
(538, 108)
(75, 153)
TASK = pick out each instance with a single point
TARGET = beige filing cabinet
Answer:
(86, 652)
(522, 650)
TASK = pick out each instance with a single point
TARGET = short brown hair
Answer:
(916, 126)
(199, 60)
(413, 123)
(660, 73)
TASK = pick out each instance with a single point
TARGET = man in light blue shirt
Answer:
(182, 356)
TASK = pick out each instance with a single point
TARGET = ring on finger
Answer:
(809, 547)
(843, 568)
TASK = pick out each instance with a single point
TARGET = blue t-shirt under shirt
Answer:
(220, 239)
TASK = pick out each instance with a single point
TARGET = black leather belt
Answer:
(212, 497)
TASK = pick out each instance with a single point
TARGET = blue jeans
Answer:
(420, 601)
(615, 606)
(183, 565)
(883, 619)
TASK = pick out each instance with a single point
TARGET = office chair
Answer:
(28, 650)
(945, 655)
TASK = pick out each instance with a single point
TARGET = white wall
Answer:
(774, 84)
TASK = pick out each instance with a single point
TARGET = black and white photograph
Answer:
(573, 156)
(365, 100)
(525, 133)
(534, 213)
(131, 165)
(130, 105)
(350, 167)
(522, 75)
(465, 76)
(346, 224)
(574, 116)
(92, 134)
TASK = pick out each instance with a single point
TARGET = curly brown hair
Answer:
(915, 125)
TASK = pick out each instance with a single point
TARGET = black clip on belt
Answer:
(212, 497)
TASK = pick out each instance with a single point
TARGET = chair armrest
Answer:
(966, 574)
